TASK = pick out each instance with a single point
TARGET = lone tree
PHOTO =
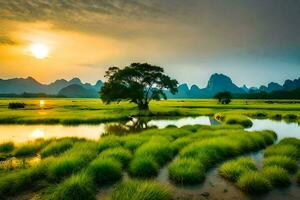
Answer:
(138, 83)
(223, 97)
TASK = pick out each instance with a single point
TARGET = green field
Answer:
(93, 111)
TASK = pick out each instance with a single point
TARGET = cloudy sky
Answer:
(252, 41)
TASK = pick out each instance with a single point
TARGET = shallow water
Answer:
(23, 133)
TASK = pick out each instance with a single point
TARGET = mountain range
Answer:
(75, 87)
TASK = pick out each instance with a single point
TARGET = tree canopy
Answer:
(138, 83)
(223, 97)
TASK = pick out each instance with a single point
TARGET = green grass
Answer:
(277, 176)
(105, 170)
(119, 153)
(254, 183)
(238, 119)
(186, 171)
(140, 190)
(94, 111)
(284, 162)
(232, 170)
(30, 148)
(72, 161)
(159, 149)
(143, 167)
(110, 141)
(17, 181)
(7, 147)
(57, 147)
(288, 150)
(76, 187)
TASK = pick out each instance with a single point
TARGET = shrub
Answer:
(7, 147)
(277, 176)
(290, 117)
(281, 161)
(186, 171)
(254, 183)
(119, 153)
(56, 147)
(105, 170)
(232, 170)
(143, 167)
(77, 187)
(140, 190)
(16, 105)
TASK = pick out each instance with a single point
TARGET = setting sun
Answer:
(39, 51)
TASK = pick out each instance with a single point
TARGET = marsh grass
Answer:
(143, 167)
(76, 187)
(7, 147)
(232, 170)
(110, 141)
(140, 190)
(284, 162)
(57, 147)
(186, 171)
(119, 153)
(288, 150)
(30, 148)
(72, 161)
(159, 149)
(254, 183)
(238, 119)
(16, 181)
(105, 170)
(277, 176)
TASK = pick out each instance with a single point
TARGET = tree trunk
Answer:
(143, 106)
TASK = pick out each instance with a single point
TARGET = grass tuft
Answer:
(284, 162)
(119, 153)
(186, 171)
(277, 176)
(140, 190)
(105, 170)
(232, 170)
(143, 167)
(77, 187)
(254, 183)
(7, 147)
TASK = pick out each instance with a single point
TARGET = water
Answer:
(23, 133)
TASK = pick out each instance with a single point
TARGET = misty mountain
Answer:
(75, 87)
(78, 91)
(30, 85)
(217, 83)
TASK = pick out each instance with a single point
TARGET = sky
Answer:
(252, 41)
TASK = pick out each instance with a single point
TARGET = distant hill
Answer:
(78, 91)
(75, 88)
(30, 85)
(217, 83)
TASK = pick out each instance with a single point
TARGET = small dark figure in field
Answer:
(16, 105)
(223, 97)
(138, 83)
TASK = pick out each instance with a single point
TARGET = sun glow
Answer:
(39, 50)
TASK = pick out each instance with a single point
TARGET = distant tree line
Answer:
(279, 94)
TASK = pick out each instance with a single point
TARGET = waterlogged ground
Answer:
(134, 147)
